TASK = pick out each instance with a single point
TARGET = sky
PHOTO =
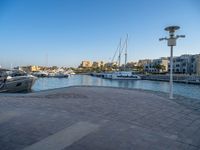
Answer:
(65, 32)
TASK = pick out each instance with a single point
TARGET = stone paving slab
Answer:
(126, 119)
(65, 137)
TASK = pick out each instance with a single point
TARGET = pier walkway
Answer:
(98, 118)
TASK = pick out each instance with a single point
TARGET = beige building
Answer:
(184, 64)
(29, 68)
(86, 64)
(157, 65)
(34, 68)
(131, 64)
(143, 62)
(187, 64)
(97, 64)
(111, 64)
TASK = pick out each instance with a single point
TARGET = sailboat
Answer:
(122, 75)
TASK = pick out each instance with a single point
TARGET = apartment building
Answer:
(186, 64)
(111, 64)
(97, 64)
(29, 68)
(143, 62)
(157, 65)
(86, 64)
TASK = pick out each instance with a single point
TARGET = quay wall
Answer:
(176, 78)
(190, 79)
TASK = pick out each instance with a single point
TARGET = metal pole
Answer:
(171, 74)
(126, 52)
(120, 53)
(171, 42)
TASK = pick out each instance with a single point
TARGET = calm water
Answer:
(187, 90)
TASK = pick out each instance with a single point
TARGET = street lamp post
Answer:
(171, 41)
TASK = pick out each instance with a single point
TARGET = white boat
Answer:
(16, 83)
(122, 75)
(61, 75)
(40, 74)
(70, 72)
(107, 75)
(58, 75)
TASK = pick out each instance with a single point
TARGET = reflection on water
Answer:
(187, 90)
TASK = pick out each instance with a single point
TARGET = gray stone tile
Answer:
(128, 119)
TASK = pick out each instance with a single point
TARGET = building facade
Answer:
(157, 65)
(29, 68)
(111, 64)
(143, 62)
(197, 64)
(97, 64)
(35, 68)
(186, 64)
(86, 64)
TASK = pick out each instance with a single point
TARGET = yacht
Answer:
(15, 81)
(70, 72)
(125, 75)
(122, 75)
(107, 75)
(40, 74)
(59, 75)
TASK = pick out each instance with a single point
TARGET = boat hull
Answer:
(122, 76)
(18, 84)
(126, 78)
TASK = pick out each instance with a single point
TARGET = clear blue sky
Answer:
(69, 31)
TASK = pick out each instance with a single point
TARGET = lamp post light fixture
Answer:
(171, 41)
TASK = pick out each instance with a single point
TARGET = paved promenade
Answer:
(98, 118)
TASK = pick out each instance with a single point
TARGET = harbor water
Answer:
(187, 90)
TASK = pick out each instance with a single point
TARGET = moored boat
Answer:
(16, 82)
(40, 74)
(59, 75)
(122, 75)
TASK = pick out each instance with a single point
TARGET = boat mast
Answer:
(47, 59)
(119, 57)
(118, 48)
(126, 44)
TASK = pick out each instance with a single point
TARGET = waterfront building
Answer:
(86, 64)
(186, 64)
(131, 64)
(111, 64)
(157, 65)
(143, 62)
(35, 68)
(197, 59)
(29, 68)
(97, 64)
